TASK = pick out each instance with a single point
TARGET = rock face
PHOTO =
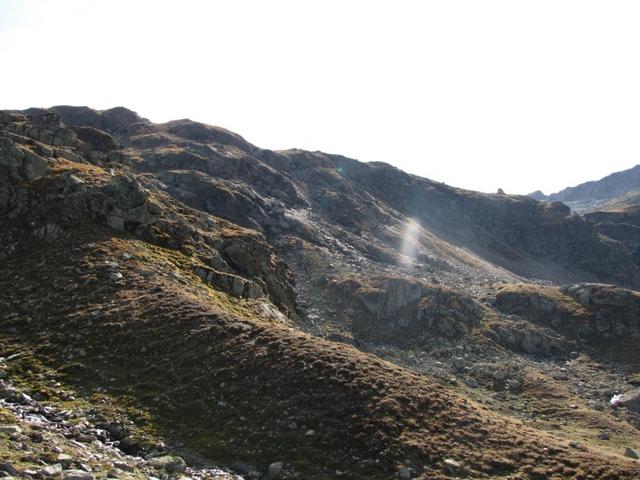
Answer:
(621, 223)
(387, 297)
(449, 313)
(233, 284)
(407, 309)
(595, 311)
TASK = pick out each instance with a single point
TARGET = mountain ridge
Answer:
(593, 194)
(294, 314)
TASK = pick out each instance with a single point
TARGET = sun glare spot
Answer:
(409, 245)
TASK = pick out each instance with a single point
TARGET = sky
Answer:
(519, 95)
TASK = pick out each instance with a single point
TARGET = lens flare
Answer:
(409, 245)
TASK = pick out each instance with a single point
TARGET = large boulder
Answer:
(170, 463)
(386, 297)
(407, 309)
(96, 139)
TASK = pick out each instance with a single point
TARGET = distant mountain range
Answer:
(595, 194)
(611, 205)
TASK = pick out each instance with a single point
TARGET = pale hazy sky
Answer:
(479, 94)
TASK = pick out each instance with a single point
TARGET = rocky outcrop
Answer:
(233, 284)
(621, 224)
(449, 313)
(590, 311)
(386, 298)
(237, 261)
(614, 312)
(231, 200)
(97, 139)
(408, 310)
(116, 121)
(524, 337)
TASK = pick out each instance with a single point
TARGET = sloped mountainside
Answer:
(179, 302)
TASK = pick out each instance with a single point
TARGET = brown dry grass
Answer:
(368, 415)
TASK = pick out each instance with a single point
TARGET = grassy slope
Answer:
(204, 368)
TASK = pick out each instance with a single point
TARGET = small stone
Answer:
(115, 222)
(50, 471)
(76, 475)
(499, 375)
(310, 432)
(515, 385)
(10, 469)
(10, 429)
(404, 473)
(631, 453)
(169, 463)
(275, 470)
(116, 276)
(459, 363)
(64, 460)
(453, 466)
(603, 436)
(82, 437)
(123, 466)
(471, 382)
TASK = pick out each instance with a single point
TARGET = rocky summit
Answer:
(179, 303)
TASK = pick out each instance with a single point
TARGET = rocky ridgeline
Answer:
(593, 194)
(330, 201)
(85, 182)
